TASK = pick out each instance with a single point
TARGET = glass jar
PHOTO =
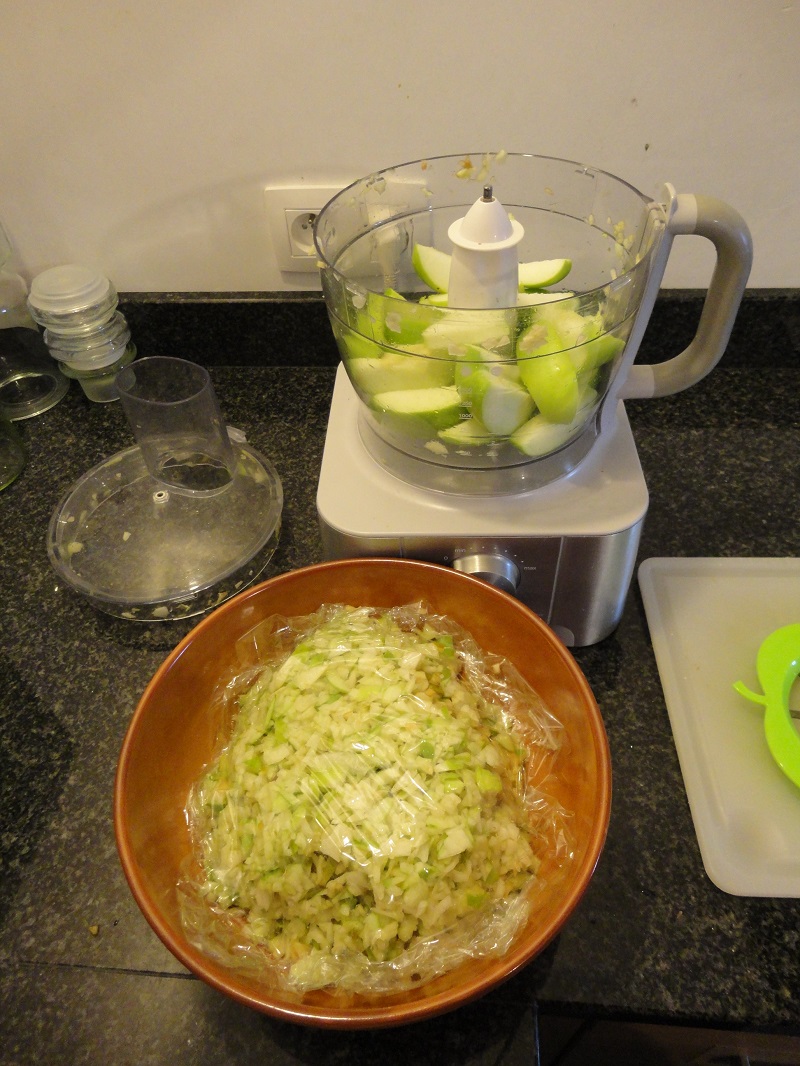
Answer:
(30, 381)
(12, 453)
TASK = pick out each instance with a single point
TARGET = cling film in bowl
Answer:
(378, 810)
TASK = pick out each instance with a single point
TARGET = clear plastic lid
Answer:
(139, 551)
(71, 299)
(182, 521)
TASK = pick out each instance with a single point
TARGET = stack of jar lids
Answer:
(83, 330)
(72, 300)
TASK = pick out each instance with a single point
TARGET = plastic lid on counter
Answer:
(138, 551)
(71, 298)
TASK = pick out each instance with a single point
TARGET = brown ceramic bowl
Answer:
(171, 737)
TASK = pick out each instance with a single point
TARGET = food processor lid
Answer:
(139, 551)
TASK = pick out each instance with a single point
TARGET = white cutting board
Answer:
(707, 619)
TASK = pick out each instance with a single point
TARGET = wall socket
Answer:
(291, 210)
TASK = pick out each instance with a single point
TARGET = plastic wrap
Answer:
(370, 819)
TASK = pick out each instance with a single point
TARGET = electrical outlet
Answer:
(291, 210)
(300, 229)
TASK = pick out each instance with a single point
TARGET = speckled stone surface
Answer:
(653, 939)
(290, 329)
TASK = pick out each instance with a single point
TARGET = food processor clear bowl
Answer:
(487, 400)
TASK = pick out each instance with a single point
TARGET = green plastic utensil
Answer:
(778, 664)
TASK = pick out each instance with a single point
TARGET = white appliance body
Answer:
(567, 550)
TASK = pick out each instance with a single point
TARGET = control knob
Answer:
(494, 569)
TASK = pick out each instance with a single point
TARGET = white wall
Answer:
(137, 136)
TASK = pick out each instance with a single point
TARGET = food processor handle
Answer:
(728, 232)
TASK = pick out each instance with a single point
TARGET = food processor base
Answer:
(567, 550)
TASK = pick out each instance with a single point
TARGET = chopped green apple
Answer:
(474, 357)
(540, 274)
(393, 370)
(355, 346)
(529, 305)
(538, 436)
(591, 347)
(419, 412)
(404, 321)
(432, 266)
(501, 405)
(573, 327)
(368, 321)
(450, 336)
(389, 317)
(373, 368)
(548, 372)
(596, 352)
(466, 433)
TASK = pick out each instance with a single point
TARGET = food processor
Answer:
(488, 309)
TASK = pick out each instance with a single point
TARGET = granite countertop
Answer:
(82, 977)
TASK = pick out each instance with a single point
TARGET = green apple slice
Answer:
(538, 436)
(595, 353)
(501, 405)
(542, 272)
(354, 346)
(432, 266)
(391, 371)
(591, 347)
(449, 337)
(548, 372)
(474, 357)
(419, 413)
(374, 368)
(404, 321)
(466, 433)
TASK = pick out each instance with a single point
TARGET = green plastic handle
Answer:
(778, 665)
